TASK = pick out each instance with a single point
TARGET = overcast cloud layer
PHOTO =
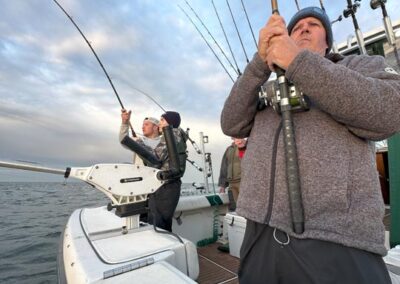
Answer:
(56, 105)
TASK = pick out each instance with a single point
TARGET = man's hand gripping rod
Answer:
(292, 167)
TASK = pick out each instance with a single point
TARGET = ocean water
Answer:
(32, 217)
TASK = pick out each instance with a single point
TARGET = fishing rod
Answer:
(108, 77)
(98, 60)
(297, 5)
(209, 46)
(226, 38)
(237, 31)
(248, 21)
(334, 46)
(292, 167)
(322, 5)
(212, 37)
(191, 141)
(193, 163)
(351, 11)
(388, 26)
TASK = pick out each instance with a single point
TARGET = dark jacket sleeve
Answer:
(223, 172)
(359, 91)
(240, 108)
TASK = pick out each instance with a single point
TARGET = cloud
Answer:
(56, 105)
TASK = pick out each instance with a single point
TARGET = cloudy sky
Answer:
(56, 105)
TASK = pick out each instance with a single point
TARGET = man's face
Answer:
(149, 129)
(240, 143)
(163, 123)
(309, 33)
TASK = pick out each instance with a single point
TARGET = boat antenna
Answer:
(248, 21)
(237, 31)
(226, 38)
(292, 167)
(388, 26)
(298, 7)
(351, 11)
(212, 37)
(209, 46)
(98, 59)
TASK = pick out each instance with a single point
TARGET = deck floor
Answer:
(216, 266)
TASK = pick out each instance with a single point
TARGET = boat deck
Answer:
(220, 267)
(216, 266)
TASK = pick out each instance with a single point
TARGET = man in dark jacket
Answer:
(163, 202)
(354, 101)
(230, 172)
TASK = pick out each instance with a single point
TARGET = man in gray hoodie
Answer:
(354, 101)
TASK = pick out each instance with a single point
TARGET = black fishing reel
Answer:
(269, 95)
(351, 8)
(377, 3)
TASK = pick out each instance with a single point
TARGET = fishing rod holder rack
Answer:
(270, 95)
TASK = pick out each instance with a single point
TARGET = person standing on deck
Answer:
(163, 202)
(353, 101)
(230, 167)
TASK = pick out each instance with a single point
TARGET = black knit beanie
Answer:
(173, 118)
(319, 14)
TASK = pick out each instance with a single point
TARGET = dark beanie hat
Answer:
(319, 14)
(173, 118)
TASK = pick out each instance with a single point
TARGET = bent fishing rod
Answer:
(108, 77)
(292, 167)
(388, 26)
(351, 11)
(98, 60)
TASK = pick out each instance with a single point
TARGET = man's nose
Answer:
(305, 28)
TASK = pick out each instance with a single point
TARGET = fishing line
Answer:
(248, 21)
(98, 59)
(212, 37)
(237, 31)
(209, 46)
(226, 38)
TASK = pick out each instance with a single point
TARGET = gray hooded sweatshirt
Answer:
(353, 102)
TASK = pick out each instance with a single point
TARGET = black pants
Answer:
(163, 203)
(297, 261)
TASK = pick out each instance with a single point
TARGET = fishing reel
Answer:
(377, 3)
(351, 8)
(270, 95)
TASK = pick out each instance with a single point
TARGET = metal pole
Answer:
(31, 168)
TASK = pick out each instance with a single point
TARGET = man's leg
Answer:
(275, 258)
(164, 203)
(234, 187)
